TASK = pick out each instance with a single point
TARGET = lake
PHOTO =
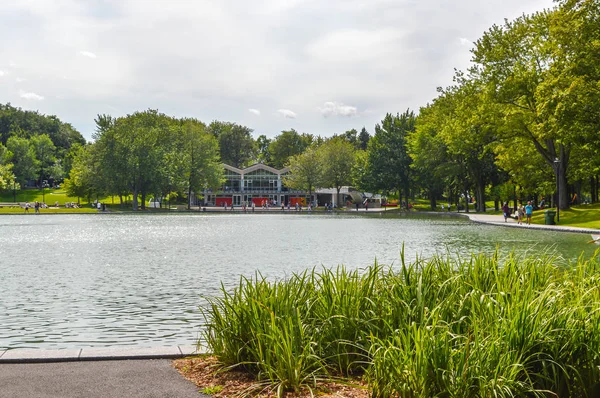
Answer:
(99, 280)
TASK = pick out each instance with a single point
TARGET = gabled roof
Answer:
(260, 166)
(234, 169)
(254, 167)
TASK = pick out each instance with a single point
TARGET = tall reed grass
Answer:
(444, 327)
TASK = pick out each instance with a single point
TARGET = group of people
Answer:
(526, 211)
(36, 206)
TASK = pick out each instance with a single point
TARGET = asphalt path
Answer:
(95, 379)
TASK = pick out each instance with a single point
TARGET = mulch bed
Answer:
(202, 371)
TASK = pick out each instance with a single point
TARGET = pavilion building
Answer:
(260, 184)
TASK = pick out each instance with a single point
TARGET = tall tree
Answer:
(306, 171)
(534, 70)
(45, 152)
(198, 152)
(236, 144)
(287, 144)
(23, 158)
(338, 157)
(262, 143)
(363, 139)
(352, 137)
(83, 181)
(7, 178)
(388, 159)
(432, 164)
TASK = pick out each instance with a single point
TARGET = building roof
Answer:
(254, 167)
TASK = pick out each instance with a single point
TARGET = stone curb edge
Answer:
(16, 356)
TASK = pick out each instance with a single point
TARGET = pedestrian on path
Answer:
(528, 212)
(520, 212)
(505, 210)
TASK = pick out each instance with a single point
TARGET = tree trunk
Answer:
(563, 192)
(189, 197)
(466, 201)
(432, 200)
(134, 202)
(143, 200)
(400, 198)
(480, 195)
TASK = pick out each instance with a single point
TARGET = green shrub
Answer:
(443, 327)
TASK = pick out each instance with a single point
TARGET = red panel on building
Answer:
(259, 201)
(220, 201)
(300, 201)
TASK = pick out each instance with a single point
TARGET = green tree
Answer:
(388, 159)
(306, 171)
(198, 152)
(287, 144)
(537, 69)
(7, 178)
(432, 164)
(110, 154)
(363, 139)
(45, 154)
(351, 136)
(236, 144)
(145, 139)
(262, 144)
(83, 181)
(338, 157)
(24, 159)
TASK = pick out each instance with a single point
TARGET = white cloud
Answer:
(20, 79)
(337, 109)
(465, 42)
(30, 96)
(88, 54)
(254, 111)
(288, 114)
(135, 55)
(2, 73)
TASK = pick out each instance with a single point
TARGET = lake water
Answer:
(70, 281)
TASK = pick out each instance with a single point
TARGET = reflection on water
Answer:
(106, 280)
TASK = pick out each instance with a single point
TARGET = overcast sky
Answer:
(320, 67)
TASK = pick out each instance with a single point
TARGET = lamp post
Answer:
(557, 164)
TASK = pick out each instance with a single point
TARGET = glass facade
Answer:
(233, 181)
(256, 184)
(261, 181)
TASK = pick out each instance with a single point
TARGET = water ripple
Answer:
(73, 281)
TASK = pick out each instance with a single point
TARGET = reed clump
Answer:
(480, 326)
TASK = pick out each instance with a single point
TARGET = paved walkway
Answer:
(499, 220)
(95, 373)
(150, 378)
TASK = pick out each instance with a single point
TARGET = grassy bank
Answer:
(480, 326)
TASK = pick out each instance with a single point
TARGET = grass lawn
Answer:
(583, 216)
(50, 196)
(51, 210)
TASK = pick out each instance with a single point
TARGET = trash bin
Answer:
(549, 217)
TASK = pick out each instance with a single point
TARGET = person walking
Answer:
(520, 212)
(528, 212)
(505, 210)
